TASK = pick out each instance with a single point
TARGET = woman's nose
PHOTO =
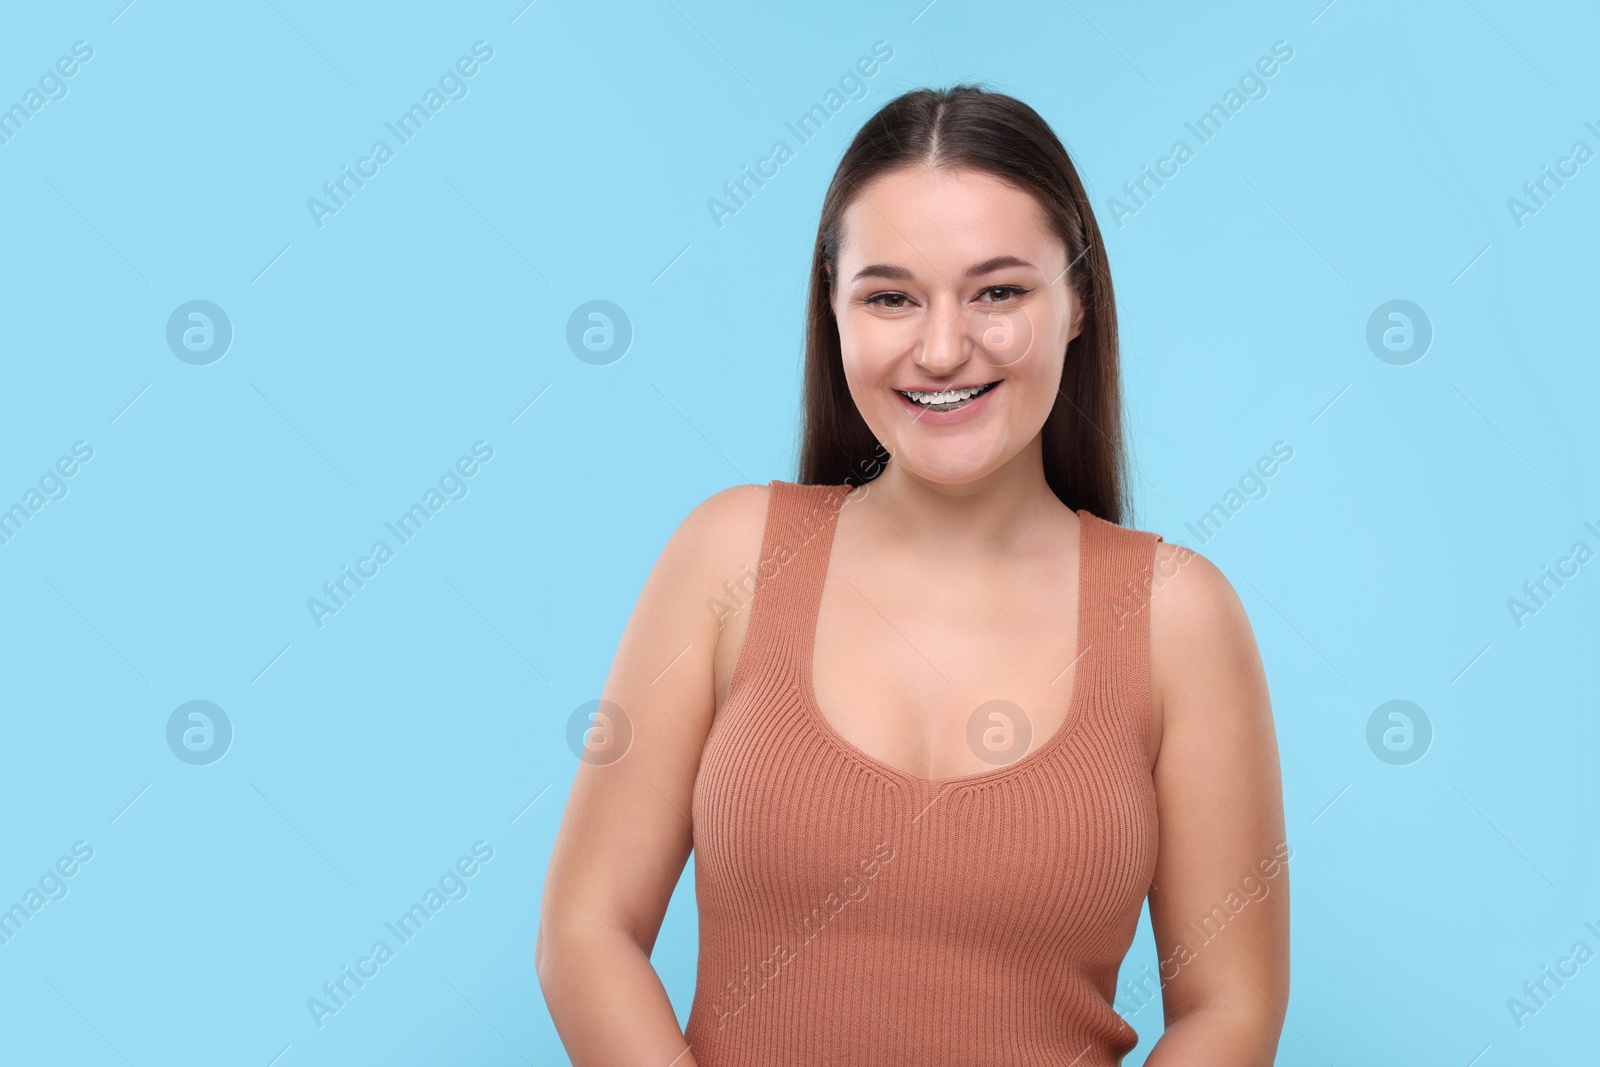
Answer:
(946, 341)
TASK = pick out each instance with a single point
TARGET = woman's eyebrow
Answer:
(896, 273)
(995, 264)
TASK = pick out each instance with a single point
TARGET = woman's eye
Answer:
(997, 294)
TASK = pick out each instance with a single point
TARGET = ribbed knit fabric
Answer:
(853, 914)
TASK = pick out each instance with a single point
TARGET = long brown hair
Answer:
(1085, 462)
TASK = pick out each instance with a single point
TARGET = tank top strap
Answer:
(796, 541)
(1119, 575)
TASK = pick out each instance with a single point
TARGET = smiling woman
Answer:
(946, 670)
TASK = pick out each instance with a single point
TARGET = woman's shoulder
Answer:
(736, 505)
(720, 532)
(1187, 589)
(1120, 530)
(1135, 548)
(739, 510)
(1187, 593)
(1198, 624)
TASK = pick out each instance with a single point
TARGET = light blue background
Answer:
(431, 310)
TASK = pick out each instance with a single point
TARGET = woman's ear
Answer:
(1077, 318)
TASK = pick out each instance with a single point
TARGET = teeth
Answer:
(949, 396)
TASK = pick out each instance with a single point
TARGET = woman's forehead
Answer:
(944, 221)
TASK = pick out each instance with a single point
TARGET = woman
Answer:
(934, 723)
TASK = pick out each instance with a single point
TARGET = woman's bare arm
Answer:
(1219, 907)
(626, 832)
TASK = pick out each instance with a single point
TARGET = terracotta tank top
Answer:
(857, 915)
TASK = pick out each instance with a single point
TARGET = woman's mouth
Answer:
(946, 400)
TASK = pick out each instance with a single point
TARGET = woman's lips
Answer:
(970, 410)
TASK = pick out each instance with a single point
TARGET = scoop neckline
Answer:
(813, 710)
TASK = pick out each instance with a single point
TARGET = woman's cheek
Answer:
(878, 339)
(1042, 388)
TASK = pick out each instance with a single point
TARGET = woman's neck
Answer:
(1004, 512)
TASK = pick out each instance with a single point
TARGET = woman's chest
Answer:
(784, 815)
(944, 683)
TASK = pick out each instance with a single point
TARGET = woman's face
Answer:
(948, 280)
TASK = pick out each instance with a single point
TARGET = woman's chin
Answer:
(948, 466)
